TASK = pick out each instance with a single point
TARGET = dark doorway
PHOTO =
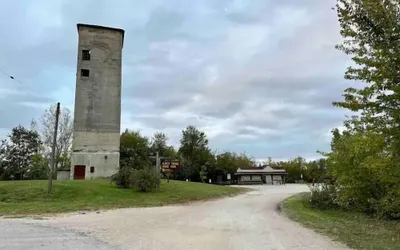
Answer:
(263, 179)
(79, 172)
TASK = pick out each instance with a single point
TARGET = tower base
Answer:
(93, 165)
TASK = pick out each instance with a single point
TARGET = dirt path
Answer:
(248, 221)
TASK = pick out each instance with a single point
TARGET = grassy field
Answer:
(30, 197)
(356, 230)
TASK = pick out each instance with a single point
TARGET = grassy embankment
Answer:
(356, 230)
(30, 197)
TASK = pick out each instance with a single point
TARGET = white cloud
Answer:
(256, 76)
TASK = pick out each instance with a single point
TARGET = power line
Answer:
(18, 81)
(10, 76)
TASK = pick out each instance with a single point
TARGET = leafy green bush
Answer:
(39, 169)
(389, 205)
(124, 177)
(323, 196)
(143, 180)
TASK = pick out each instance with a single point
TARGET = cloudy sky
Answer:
(257, 76)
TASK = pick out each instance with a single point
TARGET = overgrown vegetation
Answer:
(123, 178)
(300, 170)
(199, 163)
(357, 230)
(19, 152)
(323, 196)
(146, 179)
(364, 159)
(143, 180)
(30, 197)
(25, 153)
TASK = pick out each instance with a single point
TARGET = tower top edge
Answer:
(83, 25)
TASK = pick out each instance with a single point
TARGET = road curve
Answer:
(245, 222)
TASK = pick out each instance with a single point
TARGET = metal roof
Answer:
(266, 169)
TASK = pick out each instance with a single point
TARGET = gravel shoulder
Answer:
(248, 221)
(20, 235)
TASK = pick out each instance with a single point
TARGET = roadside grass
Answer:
(30, 197)
(356, 230)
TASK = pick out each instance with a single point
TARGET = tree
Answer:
(203, 173)
(360, 167)
(64, 133)
(371, 32)
(294, 169)
(159, 143)
(242, 160)
(134, 150)
(194, 151)
(192, 140)
(315, 170)
(170, 152)
(4, 164)
(271, 163)
(23, 145)
(364, 159)
(39, 168)
(228, 163)
(298, 166)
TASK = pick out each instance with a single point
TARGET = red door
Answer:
(79, 172)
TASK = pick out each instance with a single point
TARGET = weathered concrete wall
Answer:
(97, 116)
(95, 141)
(105, 164)
(98, 97)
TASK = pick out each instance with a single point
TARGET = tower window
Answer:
(91, 169)
(86, 55)
(85, 72)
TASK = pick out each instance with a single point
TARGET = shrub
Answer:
(323, 196)
(124, 178)
(143, 180)
(389, 206)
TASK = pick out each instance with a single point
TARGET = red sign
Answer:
(175, 164)
(167, 164)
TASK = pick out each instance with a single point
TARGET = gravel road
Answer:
(20, 235)
(249, 221)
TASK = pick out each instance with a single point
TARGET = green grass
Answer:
(356, 230)
(30, 197)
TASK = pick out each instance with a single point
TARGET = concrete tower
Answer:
(97, 117)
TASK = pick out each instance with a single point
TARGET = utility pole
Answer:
(53, 151)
